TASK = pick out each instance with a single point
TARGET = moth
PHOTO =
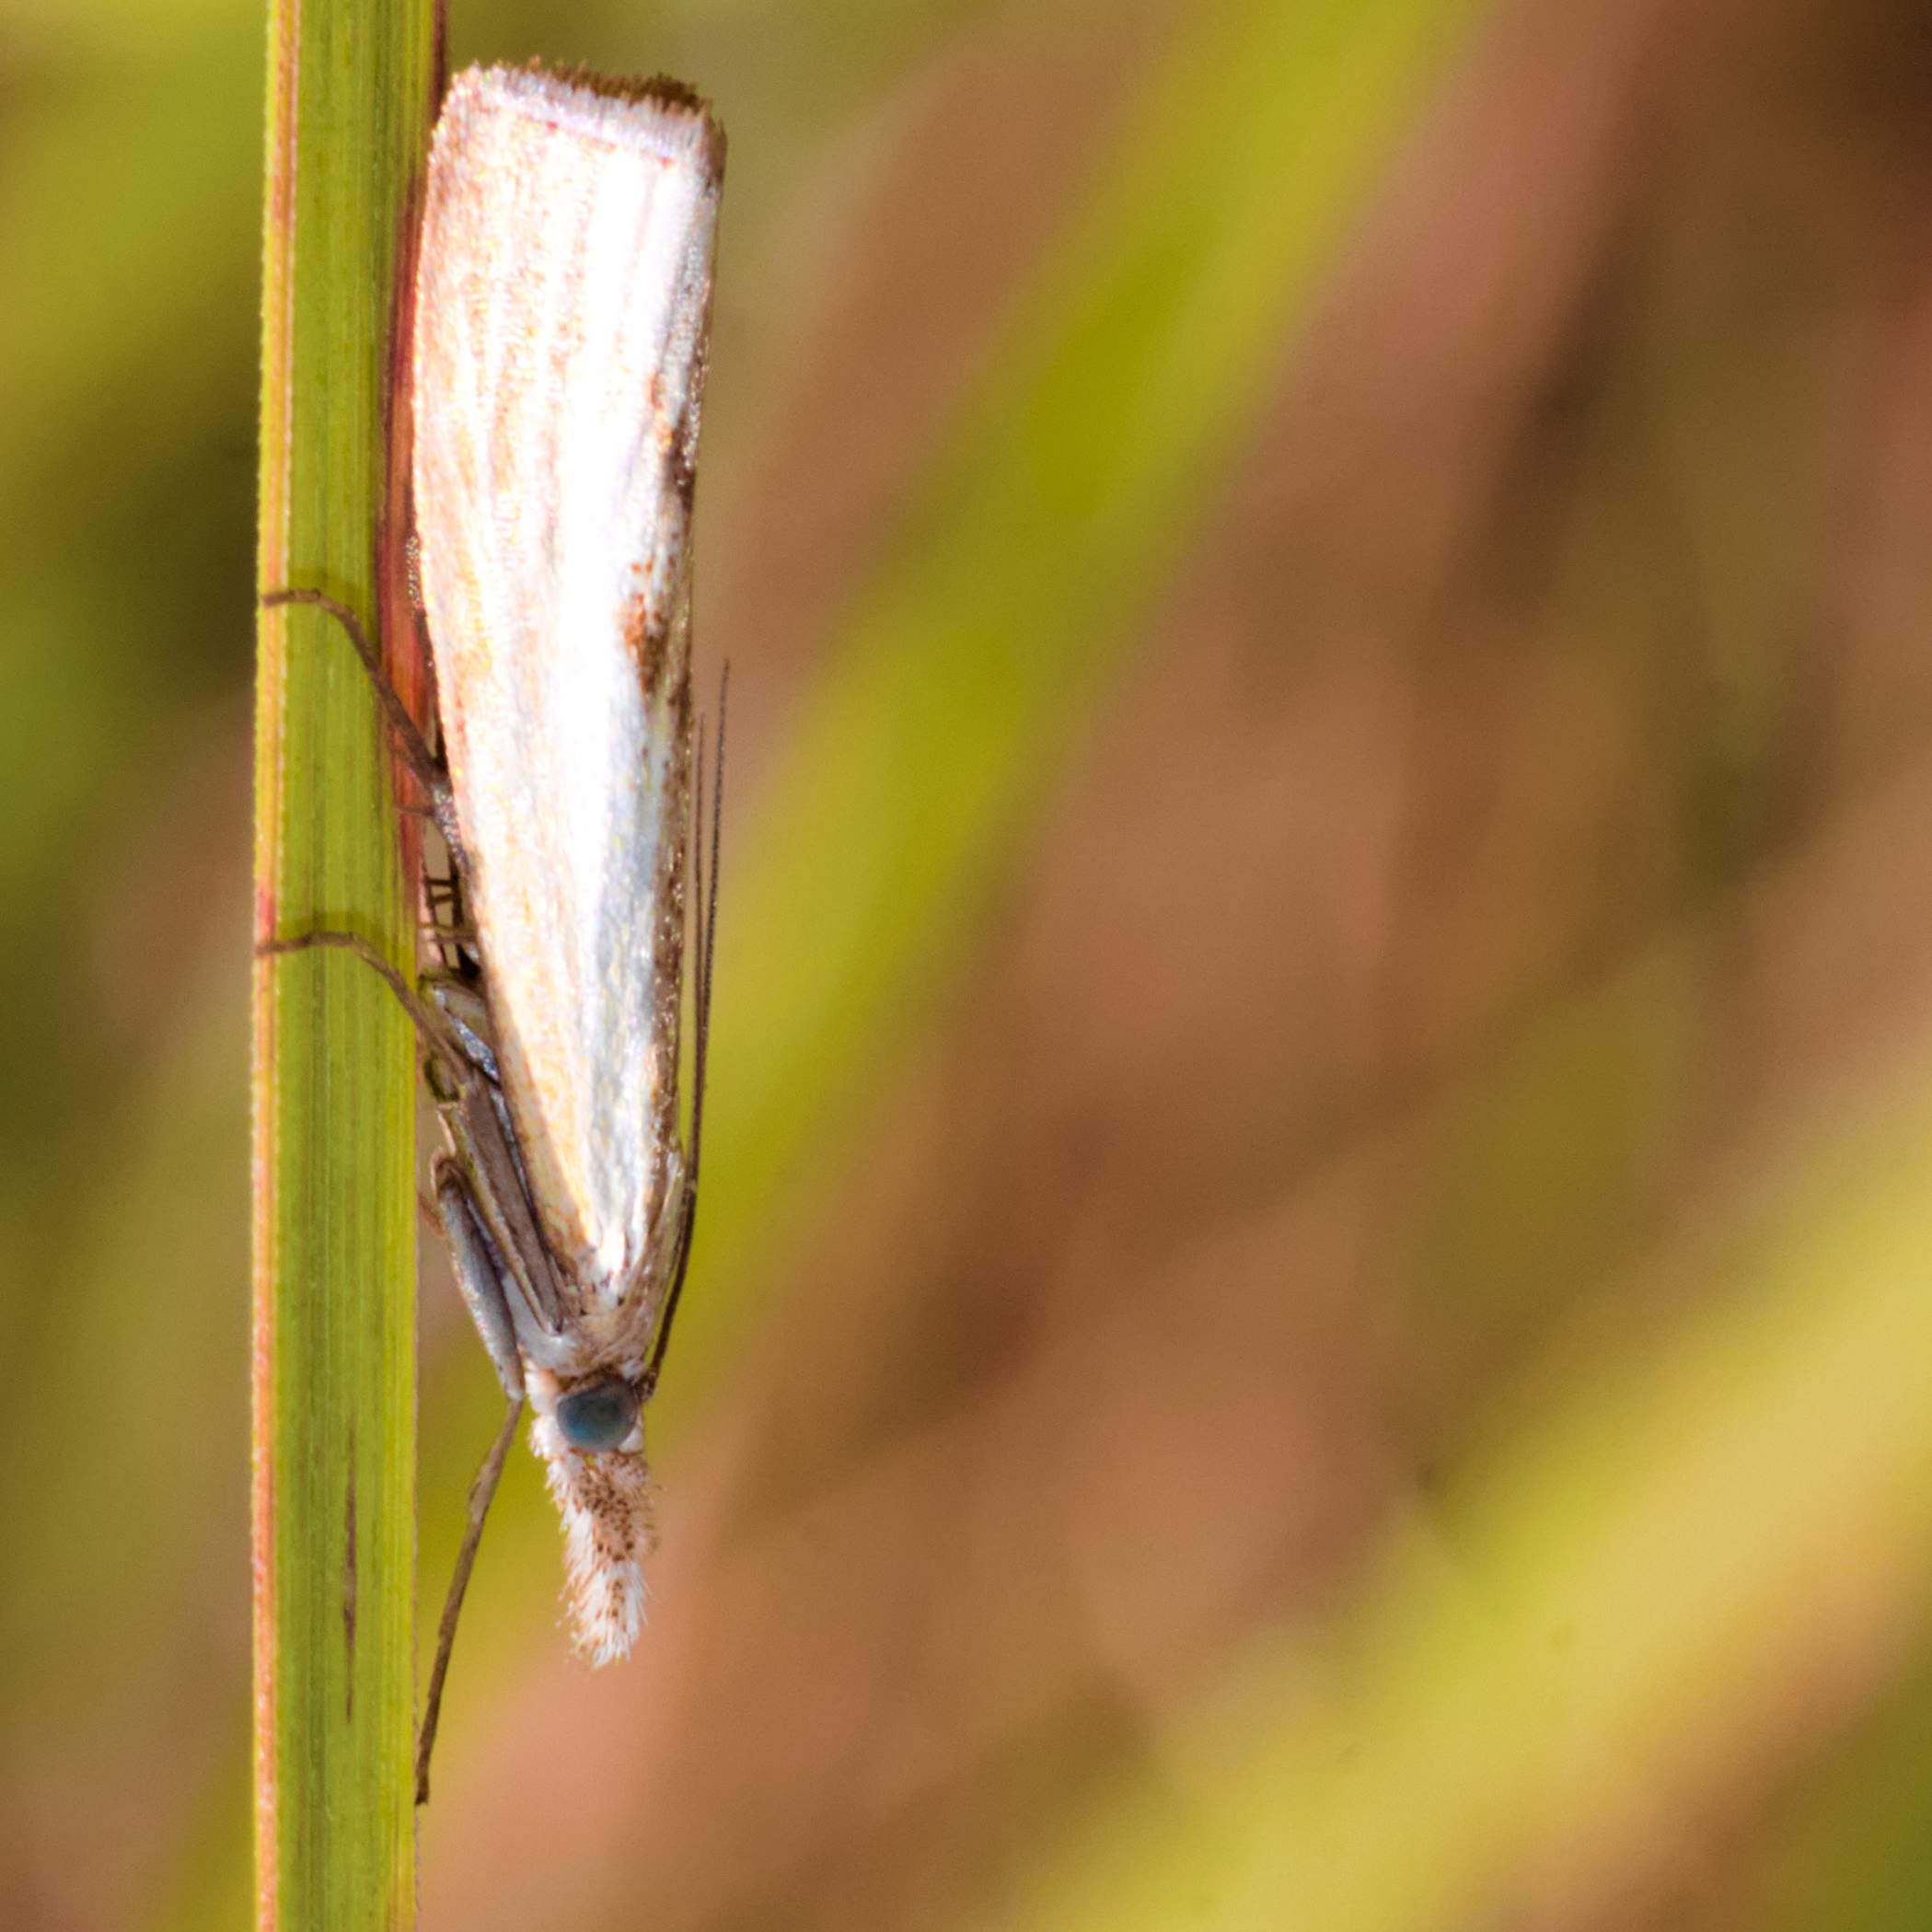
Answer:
(563, 303)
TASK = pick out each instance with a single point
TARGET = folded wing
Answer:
(563, 303)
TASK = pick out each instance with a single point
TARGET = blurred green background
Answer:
(1327, 1319)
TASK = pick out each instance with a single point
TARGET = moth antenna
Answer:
(707, 896)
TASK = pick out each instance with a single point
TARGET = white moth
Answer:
(563, 303)
(562, 297)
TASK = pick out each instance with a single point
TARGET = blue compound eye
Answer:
(598, 1416)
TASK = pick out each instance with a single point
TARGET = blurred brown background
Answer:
(1354, 1348)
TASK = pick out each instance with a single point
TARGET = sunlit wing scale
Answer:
(561, 310)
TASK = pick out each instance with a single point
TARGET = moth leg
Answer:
(480, 1277)
(445, 919)
(428, 1023)
(481, 1490)
(432, 773)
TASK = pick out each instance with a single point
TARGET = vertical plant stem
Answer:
(349, 102)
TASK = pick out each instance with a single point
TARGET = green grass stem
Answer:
(334, 1360)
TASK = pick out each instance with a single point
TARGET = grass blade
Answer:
(350, 96)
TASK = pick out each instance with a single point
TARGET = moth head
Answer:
(590, 1440)
(600, 1415)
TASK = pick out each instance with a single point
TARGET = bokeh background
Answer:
(1343, 1335)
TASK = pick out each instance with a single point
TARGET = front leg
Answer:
(431, 773)
(481, 1277)
(439, 1038)
(486, 1293)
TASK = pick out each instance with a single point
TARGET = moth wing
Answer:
(563, 303)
